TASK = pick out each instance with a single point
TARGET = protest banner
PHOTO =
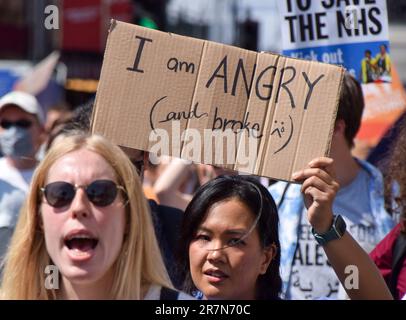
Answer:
(352, 33)
(341, 32)
(384, 103)
(182, 97)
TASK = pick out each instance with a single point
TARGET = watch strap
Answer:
(336, 231)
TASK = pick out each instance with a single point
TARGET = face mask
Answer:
(41, 152)
(16, 142)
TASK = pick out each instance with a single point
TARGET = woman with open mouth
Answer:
(85, 231)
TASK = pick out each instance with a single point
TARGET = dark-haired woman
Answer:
(230, 247)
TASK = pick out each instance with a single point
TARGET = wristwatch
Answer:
(336, 231)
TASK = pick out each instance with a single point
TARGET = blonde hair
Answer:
(139, 263)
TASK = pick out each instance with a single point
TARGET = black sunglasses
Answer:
(100, 192)
(6, 124)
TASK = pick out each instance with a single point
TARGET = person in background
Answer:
(382, 62)
(180, 179)
(306, 271)
(57, 114)
(21, 135)
(176, 183)
(57, 117)
(152, 171)
(390, 254)
(367, 68)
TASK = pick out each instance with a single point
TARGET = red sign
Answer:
(85, 22)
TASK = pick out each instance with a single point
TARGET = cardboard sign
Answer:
(258, 113)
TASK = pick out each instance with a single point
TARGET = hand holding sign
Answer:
(319, 188)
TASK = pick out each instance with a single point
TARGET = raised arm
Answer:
(167, 186)
(319, 189)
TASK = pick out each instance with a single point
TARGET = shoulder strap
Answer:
(168, 294)
(399, 254)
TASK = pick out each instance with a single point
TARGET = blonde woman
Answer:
(85, 218)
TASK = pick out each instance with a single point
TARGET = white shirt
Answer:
(14, 186)
(312, 275)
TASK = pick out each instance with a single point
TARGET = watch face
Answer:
(340, 225)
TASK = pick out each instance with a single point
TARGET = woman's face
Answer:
(229, 273)
(82, 239)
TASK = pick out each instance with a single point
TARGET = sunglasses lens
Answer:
(102, 192)
(25, 124)
(5, 124)
(59, 194)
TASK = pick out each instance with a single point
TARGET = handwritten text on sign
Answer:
(151, 80)
(221, 74)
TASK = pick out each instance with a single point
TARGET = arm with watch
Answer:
(319, 189)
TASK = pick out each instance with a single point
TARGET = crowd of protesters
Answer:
(119, 226)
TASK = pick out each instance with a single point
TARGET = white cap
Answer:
(26, 102)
